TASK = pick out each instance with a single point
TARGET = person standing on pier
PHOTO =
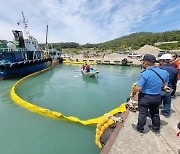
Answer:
(176, 63)
(149, 87)
(164, 63)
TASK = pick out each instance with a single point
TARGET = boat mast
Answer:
(24, 21)
(46, 46)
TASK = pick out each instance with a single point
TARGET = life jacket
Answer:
(87, 67)
(176, 63)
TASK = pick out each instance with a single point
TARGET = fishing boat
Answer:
(92, 72)
(54, 54)
(22, 56)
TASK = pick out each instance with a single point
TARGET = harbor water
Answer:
(63, 89)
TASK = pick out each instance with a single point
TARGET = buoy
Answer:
(110, 122)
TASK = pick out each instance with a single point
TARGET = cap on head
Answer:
(166, 56)
(149, 57)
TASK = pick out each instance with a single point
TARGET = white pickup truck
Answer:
(134, 55)
(65, 56)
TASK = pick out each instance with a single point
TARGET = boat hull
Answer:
(56, 61)
(92, 72)
(22, 69)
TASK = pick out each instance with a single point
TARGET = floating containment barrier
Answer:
(54, 114)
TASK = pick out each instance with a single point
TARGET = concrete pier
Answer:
(110, 59)
(125, 140)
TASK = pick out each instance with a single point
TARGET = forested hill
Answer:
(137, 40)
(132, 41)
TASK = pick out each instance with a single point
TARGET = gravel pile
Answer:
(148, 49)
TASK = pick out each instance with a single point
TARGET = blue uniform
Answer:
(173, 74)
(173, 77)
(150, 81)
(149, 97)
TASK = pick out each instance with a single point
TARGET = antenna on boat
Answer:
(24, 21)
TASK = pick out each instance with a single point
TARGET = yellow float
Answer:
(78, 62)
(105, 121)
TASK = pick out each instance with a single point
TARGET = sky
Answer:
(88, 21)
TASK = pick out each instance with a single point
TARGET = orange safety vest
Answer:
(177, 63)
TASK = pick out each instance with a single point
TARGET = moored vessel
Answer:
(54, 54)
(22, 56)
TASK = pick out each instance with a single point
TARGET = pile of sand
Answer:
(148, 49)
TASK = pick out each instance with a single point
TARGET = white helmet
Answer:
(166, 56)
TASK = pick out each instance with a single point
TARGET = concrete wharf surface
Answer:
(109, 59)
(125, 140)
